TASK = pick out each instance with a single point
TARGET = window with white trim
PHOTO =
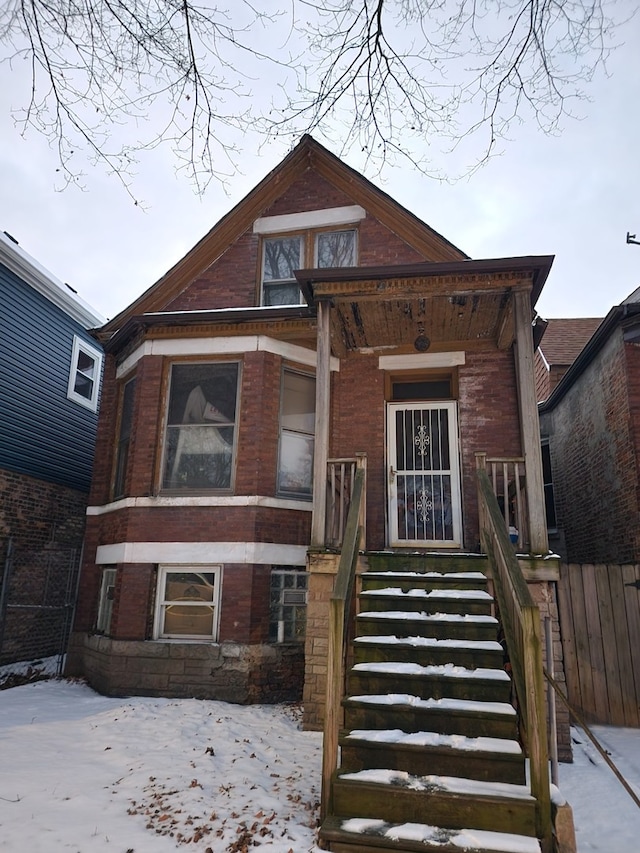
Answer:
(288, 606)
(282, 255)
(105, 602)
(84, 376)
(187, 603)
(297, 434)
(201, 427)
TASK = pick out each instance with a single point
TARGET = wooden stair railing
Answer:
(520, 619)
(339, 612)
(341, 478)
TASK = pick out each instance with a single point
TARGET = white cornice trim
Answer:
(229, 345)
(421, 360)
(164, 501)
(202, 553)
(40, 279)
(348, 215)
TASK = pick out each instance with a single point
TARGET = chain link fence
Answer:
(37, 600)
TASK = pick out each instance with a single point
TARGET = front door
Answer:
(424, 475)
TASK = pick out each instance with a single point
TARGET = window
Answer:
(201, 427)
(126, 420)
(84, 377)
(281, 256)
(335, 249)
(288, 612)
(187, 603)
(547, 477)
(297, 427)
(105, 602)
(421, 385)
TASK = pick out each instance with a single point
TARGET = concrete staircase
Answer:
(430, 755)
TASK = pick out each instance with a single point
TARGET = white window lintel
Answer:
(349, 215)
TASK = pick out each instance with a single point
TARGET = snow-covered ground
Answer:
(84, 773)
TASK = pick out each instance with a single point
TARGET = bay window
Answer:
(297, 427)
(201, 427)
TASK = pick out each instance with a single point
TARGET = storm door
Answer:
(424, 476)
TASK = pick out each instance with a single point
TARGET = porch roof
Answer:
(448, 302)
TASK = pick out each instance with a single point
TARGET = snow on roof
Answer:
(36, 276)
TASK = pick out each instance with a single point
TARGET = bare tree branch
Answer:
(391, 77)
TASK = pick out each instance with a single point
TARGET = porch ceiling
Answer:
(399, 323)
(455, 302)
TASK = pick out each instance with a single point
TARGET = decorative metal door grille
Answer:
(423, 487)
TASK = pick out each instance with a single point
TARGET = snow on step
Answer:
(446, 670)
(449, 784)
(460, 742)
(428, 617)
(392, 639)
(466, 839)
(467, 576)
(462, 594)
(446, 703)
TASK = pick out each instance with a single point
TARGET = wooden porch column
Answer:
(321, 447)
(529, 423)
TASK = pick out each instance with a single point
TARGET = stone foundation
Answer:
(228, 672)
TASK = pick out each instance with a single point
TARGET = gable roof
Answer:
(308, 154)
(564, 339)
(625, 316)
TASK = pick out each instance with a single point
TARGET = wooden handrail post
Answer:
(520, 618)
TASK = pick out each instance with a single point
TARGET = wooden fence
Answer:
(600, 624)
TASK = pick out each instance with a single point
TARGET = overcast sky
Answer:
(574, 195)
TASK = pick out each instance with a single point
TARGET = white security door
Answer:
(424, 475)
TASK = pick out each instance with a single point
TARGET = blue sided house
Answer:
(50, 373)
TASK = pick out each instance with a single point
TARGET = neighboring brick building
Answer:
(562, 341)
(49, 388)
(317, 321)
(590, 427)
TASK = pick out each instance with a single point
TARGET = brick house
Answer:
(50, 370)
(317, 327)
(590, 427)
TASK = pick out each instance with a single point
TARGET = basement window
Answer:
(187, 603)
(105, 602)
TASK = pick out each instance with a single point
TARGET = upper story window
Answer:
(282, 255)
(84, 376)
(201, 426)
